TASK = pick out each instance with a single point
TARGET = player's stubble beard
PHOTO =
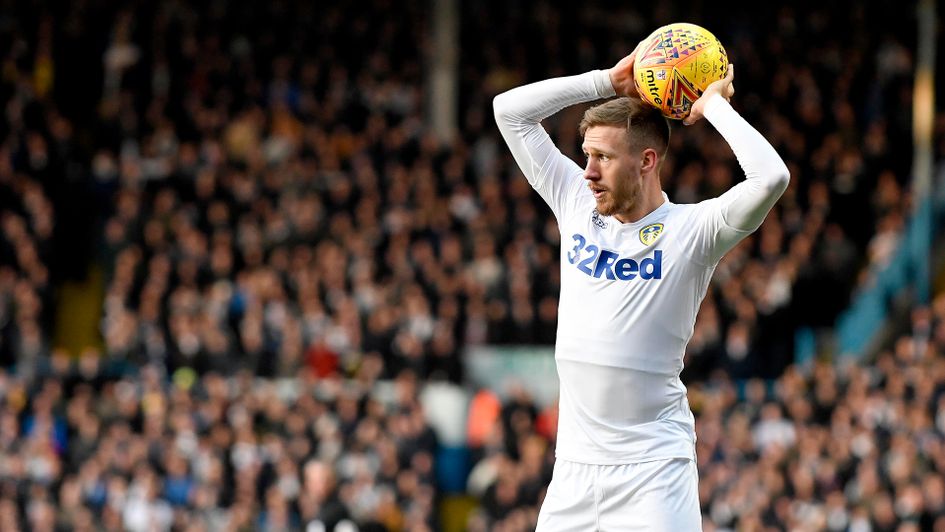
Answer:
(623, 198)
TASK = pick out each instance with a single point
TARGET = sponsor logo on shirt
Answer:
(650, 233)
(593, 261)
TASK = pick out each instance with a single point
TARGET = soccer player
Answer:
(634, 270)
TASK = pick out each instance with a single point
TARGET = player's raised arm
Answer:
(744, 206)
(519, 111)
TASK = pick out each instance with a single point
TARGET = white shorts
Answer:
(654, 496)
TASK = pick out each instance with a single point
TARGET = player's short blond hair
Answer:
(646, 126)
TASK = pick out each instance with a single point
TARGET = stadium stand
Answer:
(290, 258)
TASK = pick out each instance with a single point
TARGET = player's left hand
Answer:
(724, 87)
(621, 75)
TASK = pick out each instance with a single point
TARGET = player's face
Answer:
(612, 172)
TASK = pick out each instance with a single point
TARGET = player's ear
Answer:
(650, 160)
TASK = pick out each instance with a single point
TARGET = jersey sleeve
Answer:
(518, 113)
(722, 222)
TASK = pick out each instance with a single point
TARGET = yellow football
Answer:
(675, 64)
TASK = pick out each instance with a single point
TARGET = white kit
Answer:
(630, 292)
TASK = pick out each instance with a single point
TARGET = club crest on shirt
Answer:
(598, 221)
(650, 233)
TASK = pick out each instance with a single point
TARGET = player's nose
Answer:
(591, 172)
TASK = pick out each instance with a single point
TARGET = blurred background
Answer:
(269, 266)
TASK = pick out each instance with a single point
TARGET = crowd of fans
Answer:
(83, 450)
(260, 190)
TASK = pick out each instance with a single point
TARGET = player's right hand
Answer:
(724, 87)
(621, 75)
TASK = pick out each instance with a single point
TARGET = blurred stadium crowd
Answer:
(259, 188)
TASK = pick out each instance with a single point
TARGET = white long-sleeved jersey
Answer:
(630, 292)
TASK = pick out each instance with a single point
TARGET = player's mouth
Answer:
(598, 192)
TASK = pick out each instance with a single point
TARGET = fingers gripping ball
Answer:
(675, 64)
